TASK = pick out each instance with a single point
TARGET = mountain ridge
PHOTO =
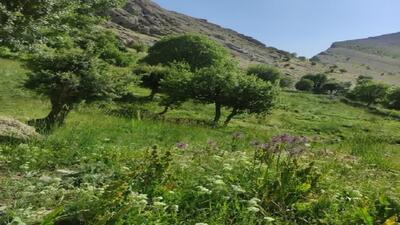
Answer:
(145, 22)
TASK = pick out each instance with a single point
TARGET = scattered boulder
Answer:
(14, 130)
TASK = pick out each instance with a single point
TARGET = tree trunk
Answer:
(56, 117)
(164, 111)
(152, 94)
(217, 114)
(230, 116)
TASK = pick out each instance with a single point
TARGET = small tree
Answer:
(393, 99)
(318, 79)
(67, 78)
(211, 84)
(250, 95)
(265, 72)
(176, 85)
(151, 77)
(195, 50)
(361, 79)
(334, 88)
(286, 82)
(305, 85)
(370, 92)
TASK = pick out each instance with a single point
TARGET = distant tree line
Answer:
(366, 90)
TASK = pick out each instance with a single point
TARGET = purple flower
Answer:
(238, 135)
(182, 145)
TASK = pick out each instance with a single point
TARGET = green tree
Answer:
(197, 51)
(286, 82)
(334, 87)
(265, 72)
(393, 99)
(24, 23)
(305, 85)
(370, 92)
(151, 77)
(67, 78)
(210, 85)
(249, 95)
(318, 79)
(176, 85)
(362, 79)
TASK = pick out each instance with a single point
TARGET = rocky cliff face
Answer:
(378, 57)
(146, 22)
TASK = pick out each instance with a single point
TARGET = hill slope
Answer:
(378, 57)
(146, 22)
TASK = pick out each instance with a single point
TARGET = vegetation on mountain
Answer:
(195, 50)
(370, 92)
(265, 72)
(305, 85)
(289, 158)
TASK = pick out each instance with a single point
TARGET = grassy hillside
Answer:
(101, 146)
(376, 56)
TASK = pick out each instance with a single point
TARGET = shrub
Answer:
(318, 79)
(265, 72)
(333, 87)
(67, 78)
(151, 77)
(250, 95)
(211, 84)
(370, 92)
(305, 85)
(393, 99)
(197, 51)
(286, 82)
(176, 85)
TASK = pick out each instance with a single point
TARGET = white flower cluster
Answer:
(253, 205)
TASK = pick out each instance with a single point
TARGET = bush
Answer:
(305, 85)
(67, 78)
(318, 79)
(334, 88)
(197, 51)
(250, 95)
(393, 99)
(370, 92)
(265, 72)
(151, 77)
(176, 85)
(286, 82)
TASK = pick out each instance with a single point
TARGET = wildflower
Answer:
(269, 219)
(182, 145)
(204, 190)
(237, 135)
(159, 204)
(212, 144)
(175, 208)
(227, 167)
(238, 189)
(219, 182)
(253, 209)
(254, 201)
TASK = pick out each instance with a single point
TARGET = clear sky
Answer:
(306, 27)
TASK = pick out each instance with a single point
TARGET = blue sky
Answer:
(306, 27)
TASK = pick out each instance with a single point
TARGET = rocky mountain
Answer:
(145, 21)
(378, 57)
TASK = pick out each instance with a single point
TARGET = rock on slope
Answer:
(145, 21)
(378, 57)
(14, 130)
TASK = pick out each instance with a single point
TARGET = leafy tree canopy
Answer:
(195, 50)
(265, 72)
